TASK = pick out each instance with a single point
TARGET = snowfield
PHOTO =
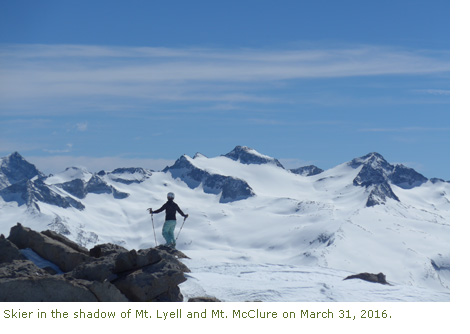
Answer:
(295, 240)
(242, 280)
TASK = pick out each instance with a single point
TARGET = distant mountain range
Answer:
(22, 182)
(364, 214)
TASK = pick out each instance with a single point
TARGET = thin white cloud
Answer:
(405, 129)
(79, 70)
(82, 126)
(56, 151)
(439, 92)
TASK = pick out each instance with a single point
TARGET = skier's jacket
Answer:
(170, 208)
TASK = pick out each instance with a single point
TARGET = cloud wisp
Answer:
(31, 72)
(413, 129)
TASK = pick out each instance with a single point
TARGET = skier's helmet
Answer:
(170, 196)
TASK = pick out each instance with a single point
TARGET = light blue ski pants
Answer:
(168, 232)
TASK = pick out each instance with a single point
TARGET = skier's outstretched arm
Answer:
(159, 210)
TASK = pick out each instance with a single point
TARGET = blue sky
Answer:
(108, 84)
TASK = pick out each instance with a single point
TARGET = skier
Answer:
(168, 230)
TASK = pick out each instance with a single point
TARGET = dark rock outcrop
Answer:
(57, 289)
(379, 193)
(108, 272)
(76, 187)
(374, 278)
(406, 177)
(130, 175)
(230, 188)
(97, 185)
(377, 175)
(106, 249)
(64, 256)
(20, 268)
(248, 156)
(14, 168)
(307, 170)
(66, 241)
(8, 251)
(30, 192)
(203, 299)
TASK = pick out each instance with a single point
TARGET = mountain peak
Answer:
(15, 155)
(377, 173)
(373, 160)
(373, 155)
(199, 155)
(230, 188)
(14, 168)
(247, 156)
(14, 158)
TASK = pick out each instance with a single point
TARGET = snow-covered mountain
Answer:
(253, 222)
(230, 188)
(14, 168)
(247, 155)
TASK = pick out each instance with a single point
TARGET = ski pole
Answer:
(154, 235)
(181, 228)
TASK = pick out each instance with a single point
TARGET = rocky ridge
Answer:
(69, 272)
(23, 183)
(376, 175)
(307, 170)
(14, 168)
(230, 188)
(247, 155)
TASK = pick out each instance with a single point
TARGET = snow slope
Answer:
(294, 240)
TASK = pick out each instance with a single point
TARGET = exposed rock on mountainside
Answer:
(230, 188)
(248, 156)
(23, 183)
(15, 168)
(96, 185)
(307, 170)
(376, 174)
(129, 175)
(108, 273)
(29, 192)
(406, 177)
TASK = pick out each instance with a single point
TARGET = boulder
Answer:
(156, 279)
(65, 241)
(102, 269)
(21, 280)
(44, 289)
(8, 251)
(374, 278)
(152, 283)
(65, 257)
(110, 274)
(137, 259)
(173, 294)
(105, 291)
(173, 252)
(105, 250)
(21, 268)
